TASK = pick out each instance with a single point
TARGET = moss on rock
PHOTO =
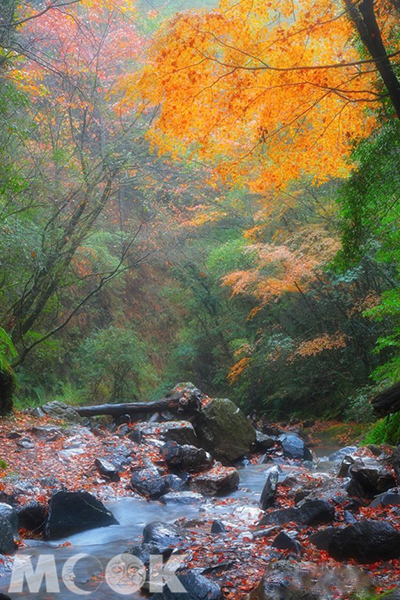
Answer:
(224, 430)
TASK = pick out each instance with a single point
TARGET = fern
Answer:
(7, 350)
(386, 431)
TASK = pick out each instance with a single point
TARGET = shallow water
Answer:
(133, 514)
(101, 545)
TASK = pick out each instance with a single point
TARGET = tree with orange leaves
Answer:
(271, 91)
(283, 268)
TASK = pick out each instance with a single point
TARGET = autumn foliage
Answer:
(266, 92)
(283, 268)
(170, 197)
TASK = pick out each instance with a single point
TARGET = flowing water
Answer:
(100, 545)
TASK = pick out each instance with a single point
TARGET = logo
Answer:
(124, 574)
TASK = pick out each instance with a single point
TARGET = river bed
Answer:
(100, 545)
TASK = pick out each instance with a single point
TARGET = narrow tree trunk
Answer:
(364, 19)
(178, 404)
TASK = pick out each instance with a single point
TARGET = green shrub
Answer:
(112, 365)
(386, 431)
(360, 409)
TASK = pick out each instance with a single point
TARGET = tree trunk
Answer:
(176, 403)
(387, 402)
(364, 19)
(7, 388)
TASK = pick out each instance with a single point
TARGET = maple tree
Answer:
(208, 195)
(213, 282)
(269, 92)
(291, 269)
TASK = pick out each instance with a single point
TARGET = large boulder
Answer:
(197, 587)
(366, 541)
(59, 410)
(294, 447)
(177, 431)
(224, 430)
(186, 457)
(219, 480)
(73, 512)
(7, 543)
(148, 482)
(311, 512)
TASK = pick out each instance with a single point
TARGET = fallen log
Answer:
(178, 402)
(387, 402)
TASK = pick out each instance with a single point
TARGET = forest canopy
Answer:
(203, 191)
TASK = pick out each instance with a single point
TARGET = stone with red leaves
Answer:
(148, 482)
(107, 469)
(284, 541)
(178, 431)
(186, 457)
(216, 481)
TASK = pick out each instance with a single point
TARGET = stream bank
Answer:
(289, 545)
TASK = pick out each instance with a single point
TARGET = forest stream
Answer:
(133, 514)
(200, 191)
(233, 506)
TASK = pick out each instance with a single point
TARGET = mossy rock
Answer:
(224, 430)
(7, 389)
